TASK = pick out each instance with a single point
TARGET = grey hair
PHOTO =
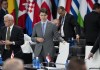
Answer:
(13, 64)
(9, 16)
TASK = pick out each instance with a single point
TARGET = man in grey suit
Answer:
(43, 34)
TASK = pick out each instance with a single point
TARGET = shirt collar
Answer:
(11, 26)
(3, 9)
(44, 22)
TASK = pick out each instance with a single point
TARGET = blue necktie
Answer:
(62, 20)
(43, 28)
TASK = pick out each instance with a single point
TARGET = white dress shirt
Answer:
(62, 25)
(11, 27)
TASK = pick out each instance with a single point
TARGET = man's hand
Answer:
(64, 42)
(7, 42)
(77, 37)
(2, 42)
(90, 55)
(40, 39)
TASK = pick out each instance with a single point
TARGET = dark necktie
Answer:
(8, 38)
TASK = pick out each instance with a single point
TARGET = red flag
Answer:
(22, 13)
(68, 5)
(12, 55)
(36, 11)
(47, 4)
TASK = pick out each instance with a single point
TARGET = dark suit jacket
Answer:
(70, 26)
(16, 35)
(91, 27)
(2, 13)
(96, 45)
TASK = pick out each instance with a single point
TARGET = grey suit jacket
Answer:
(47, 46)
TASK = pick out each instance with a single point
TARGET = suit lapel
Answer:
(47, 28)
(40, 29)
(12, 33)
(5, 33)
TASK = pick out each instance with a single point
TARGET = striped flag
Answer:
(54, 8)
(30, 16)
(62, 3)
(90, 4)
(75, 8)
(82, 12)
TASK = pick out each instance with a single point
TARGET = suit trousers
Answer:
(6, 54)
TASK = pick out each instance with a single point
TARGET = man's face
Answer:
(5, 4)
(7, 22)
(43, 16)
(61, 12)
(98, 10)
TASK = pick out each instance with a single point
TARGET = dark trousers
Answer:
(6, 54)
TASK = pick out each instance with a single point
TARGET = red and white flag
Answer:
(47, 4)
(22, 12)
(12, 55)
(48, 58)
(37, 7)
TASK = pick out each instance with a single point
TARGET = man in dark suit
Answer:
(43, 34)
(95, 48)
(92, 25)
(69, 28)
(11, 38)
(3, 11)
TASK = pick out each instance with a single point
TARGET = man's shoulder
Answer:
(38, 23)
(69, 15)
(17, 27)
(3, 27)
(1, 10)
(51, 24)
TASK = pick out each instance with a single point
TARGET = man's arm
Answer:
(56, 34)
(96, 45)
(34, 37)
(75, 24)
(20, 38)
(95, 48)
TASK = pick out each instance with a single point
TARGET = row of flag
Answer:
(26, 12)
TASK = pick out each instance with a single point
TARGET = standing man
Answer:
(3, 11)
(11, 38)
(43, 34)
(92, 25)
(69, 27)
